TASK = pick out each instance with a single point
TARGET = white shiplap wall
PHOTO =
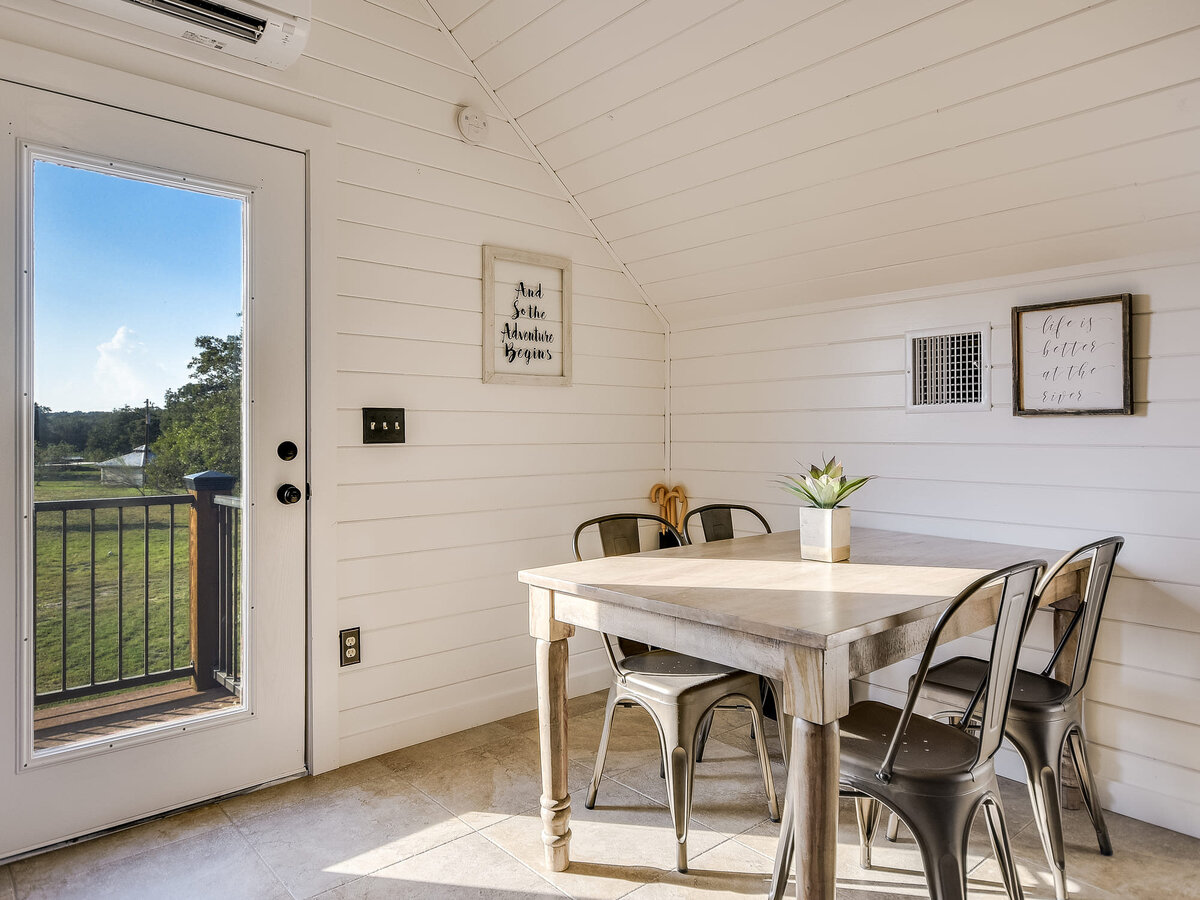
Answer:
(750, 398)
(493, 478)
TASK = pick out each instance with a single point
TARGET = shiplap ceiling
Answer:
(742, 156)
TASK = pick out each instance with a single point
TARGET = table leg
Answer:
(552, 735)
(809, 825)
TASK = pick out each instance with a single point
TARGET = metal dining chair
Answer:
(936, 776)
(1046, 715)
(678, 691)
(716, 524)
(716, 521)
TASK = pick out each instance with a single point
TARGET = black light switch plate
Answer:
(383, 425)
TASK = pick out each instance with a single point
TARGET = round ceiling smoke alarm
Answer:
(473, 124)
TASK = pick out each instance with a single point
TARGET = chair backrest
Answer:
(716, 521)
(1017, 604)
(620, 533)
(1017, 599)
(1102, 554)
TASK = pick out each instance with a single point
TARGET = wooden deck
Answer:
(115, 714)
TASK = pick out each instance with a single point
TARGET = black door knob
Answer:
(289, 493)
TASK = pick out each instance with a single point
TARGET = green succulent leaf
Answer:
(825, 486)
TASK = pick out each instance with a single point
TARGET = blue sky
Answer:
(126, 275)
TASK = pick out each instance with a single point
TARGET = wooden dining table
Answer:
(755, 604)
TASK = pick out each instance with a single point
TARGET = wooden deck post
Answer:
(203, 550)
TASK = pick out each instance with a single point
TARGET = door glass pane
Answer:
(138, 287)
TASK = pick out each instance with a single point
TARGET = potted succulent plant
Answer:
(824, 524)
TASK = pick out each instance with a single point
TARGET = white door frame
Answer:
(37, 68)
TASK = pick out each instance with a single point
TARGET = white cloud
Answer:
(126, 372)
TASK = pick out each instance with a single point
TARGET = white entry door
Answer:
(153, 501)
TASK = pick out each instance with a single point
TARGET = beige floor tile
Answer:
(584, 703)
(725, 720)
(623, 843)
(217, 863)
(729, 871)
(489, 783)
(727, 794)
(469, 868)
(336, 835)
(633, 742)
(896, 867)
(300, 790)
(70, 864)
(1037, 884)
(1147, 862)
(400, 826)
(451, 744)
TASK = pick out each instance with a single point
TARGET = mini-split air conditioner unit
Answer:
(271, 33)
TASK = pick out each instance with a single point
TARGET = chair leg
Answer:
(681, 737)
(893, 828)
(786, 847)
(784, 721)
(703, 738)
(942, 836)
(764, 760)
(1087, 787)
(998, 832)
(1041, 748)
(598, 772)
(866, 811)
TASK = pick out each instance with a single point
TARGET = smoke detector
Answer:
(473, 123)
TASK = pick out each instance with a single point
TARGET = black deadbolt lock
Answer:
(289, 493)
(287, 450)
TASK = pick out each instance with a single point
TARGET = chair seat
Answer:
(955, 681)
(931, 752)
(668, 662)
(666, 675)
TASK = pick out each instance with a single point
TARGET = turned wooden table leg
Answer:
(552, 721)
(552, 725)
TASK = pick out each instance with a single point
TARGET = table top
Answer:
(760, 585)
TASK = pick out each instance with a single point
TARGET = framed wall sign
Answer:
(526, 317)
(1072, 358)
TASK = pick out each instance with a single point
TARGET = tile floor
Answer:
(458, 818)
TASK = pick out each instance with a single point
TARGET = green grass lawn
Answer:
(140, 569)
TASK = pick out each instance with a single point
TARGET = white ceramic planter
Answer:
(825, 533)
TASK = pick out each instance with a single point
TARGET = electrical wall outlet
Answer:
(351, 645)
(383, 425)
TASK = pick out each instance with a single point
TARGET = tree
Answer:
(117, 432)
(202, 420)
(98, 434)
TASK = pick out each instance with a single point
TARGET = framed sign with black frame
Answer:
(526, 317)
(1071, 358)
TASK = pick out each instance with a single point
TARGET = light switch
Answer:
(383, 425)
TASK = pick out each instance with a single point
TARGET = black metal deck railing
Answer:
(228, 662)
(111, 594)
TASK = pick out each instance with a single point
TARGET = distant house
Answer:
(128, 469)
